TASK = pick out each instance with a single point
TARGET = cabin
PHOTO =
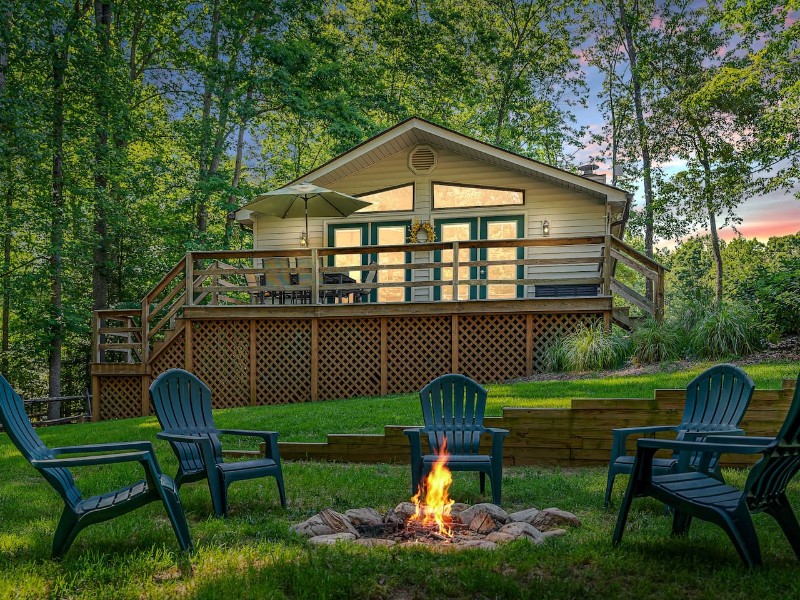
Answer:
(467, 258)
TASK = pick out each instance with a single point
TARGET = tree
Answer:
(701, 129)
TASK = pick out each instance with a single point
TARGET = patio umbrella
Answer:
(305, 199)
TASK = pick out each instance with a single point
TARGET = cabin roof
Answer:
(416, 130)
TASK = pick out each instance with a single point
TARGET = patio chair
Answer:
(183, 406)
(80, 512)
(715, 403)
(699, 494)
(305, 279)
(362, 295)
(453, 408)
(276, 273)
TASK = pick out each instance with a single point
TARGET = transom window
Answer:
(391, 199)
(450, 195)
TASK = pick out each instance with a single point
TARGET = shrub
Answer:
(588, 349)
(778, 296)
(655, 342)
(727, 330)
(554, 356)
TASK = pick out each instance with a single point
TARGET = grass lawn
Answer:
(252, 554)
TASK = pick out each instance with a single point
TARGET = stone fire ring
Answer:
(479, 526)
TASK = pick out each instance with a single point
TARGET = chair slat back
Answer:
(282, 278)
(304, 277)
(770, 476)
(717, 399)
(20, 431)
(452, 408)
(183, 406)
(371, 275)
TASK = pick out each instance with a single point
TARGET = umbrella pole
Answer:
(305, 201)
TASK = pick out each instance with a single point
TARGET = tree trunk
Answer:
(100, 266)
(60, 57)
(641, 126)
(8, 194)
(708, 192)
(206, 134)
(7, 213)
(237, 173)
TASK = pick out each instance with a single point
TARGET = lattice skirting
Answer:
(249, 362)
(120, 396)
(282, 361)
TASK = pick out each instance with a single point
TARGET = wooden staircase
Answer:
(159, 345)
(622, 318)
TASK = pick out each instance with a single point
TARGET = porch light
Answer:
(545, 227)
(304, 240)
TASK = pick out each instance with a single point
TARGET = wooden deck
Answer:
(470, 307)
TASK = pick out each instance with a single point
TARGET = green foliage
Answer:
(589, 348)
(655, 342)
(764, 276)
(727, 330)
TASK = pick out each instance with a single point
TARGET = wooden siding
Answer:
(579, 436)
(569, 212)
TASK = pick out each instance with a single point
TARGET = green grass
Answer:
(252, 554)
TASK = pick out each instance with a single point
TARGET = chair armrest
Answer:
(620, 437)
(413, 431)
(143, 446)
(745, 440)
(415, 440)
(626, 431)
(495, 431)
(181, 437)
(266, 435)
(270, 440)
(691, 435)
(703, 447)
(82, 461)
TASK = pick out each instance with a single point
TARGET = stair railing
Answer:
(651, 270)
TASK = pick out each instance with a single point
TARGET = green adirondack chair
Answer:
(452, 408)
(697, 494)
(715, 403)
(183, 406)
(81, 512)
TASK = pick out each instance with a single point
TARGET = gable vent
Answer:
(422, 160)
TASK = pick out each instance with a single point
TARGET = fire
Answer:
(435, 510)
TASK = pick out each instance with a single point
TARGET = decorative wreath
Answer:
(416, 227)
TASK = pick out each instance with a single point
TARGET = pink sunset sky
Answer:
(773, 214)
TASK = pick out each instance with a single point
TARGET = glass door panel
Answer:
(455, 230)
(389, 235)
(344, 236)
(501, 228)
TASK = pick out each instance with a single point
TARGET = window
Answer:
(390, 199)
(448, 195)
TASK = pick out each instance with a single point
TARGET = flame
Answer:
(435, 510)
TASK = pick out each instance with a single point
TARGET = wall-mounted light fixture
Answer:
(545, 227)
(304, 240)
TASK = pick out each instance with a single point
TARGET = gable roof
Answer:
(415, 130)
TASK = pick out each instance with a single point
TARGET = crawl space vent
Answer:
(422, 160)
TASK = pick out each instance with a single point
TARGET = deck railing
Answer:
(438, 271)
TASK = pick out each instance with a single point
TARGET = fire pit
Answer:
(433, 519)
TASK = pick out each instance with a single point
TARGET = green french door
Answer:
(346, 235)
(501, 228)
(391, 233)
(385, 233)
(480, 228)
(455, 230)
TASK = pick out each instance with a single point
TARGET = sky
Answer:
(773, 214)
